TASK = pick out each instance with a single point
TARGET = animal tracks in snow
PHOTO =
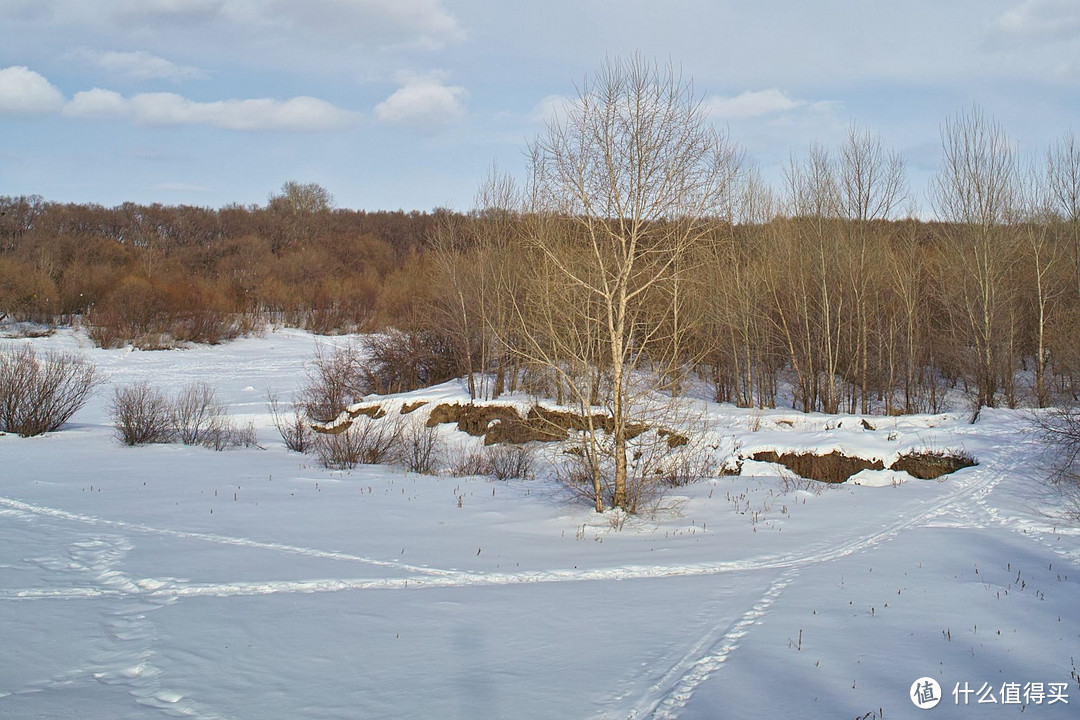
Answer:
(418, 577)
(93, 567)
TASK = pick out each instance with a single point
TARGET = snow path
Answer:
(22, 507)
(670, 695)
(667, 696)
(95, 563)
(127, 663)
(976, 488)
(430, 577)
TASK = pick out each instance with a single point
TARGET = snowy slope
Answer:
(169, 581)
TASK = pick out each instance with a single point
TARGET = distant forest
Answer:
(800, 289)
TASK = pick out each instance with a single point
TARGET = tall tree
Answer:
(631, 176)
(976, 191)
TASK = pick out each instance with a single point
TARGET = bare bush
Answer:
(505, 462)
(199, 419)
(365, 442)
(291, 424)
(245, 435)
(336, 379)
(1059, 430)
(142, 414)
(467, 462)
(688, 465)
(653, 467)
(226, 434)
(421, 448)
(197, 415)
(400, 361)
(39, 395)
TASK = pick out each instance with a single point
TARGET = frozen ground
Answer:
(169, 581)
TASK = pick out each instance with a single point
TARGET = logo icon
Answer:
(925, 693)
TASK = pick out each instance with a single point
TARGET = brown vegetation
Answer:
(39, 393)
(820, 286)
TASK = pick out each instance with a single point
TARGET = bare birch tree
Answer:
(976, 192)
(632, 174)
(1063, 175)
(872, 184)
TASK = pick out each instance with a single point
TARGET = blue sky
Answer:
(406, 103)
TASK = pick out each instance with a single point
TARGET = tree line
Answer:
(817, 286)
(643, 242)
(151, 275)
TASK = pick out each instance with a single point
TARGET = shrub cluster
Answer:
(143, 414)
(39, 394)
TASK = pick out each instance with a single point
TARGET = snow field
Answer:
(169, 581)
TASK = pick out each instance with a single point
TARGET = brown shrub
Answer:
(40, 394)
(336, 379)
(142, 414)
(291, 424)
(26, 293)
(129, 314)
(157, 313)
(399, 361)
(366, 441)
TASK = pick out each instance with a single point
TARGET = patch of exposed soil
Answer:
(674, 439)
(931, 465)
(472, 419)
(503, 424)
(372, 411)
(835, 467)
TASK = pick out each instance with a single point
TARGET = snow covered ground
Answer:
(171, 581)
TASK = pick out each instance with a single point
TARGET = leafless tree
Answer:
(1043, 256)
(976, 192)
(297, 197)
(872, 184)
(1063, 175)
(628, 178)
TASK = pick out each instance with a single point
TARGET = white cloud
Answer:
(142, 66)
(97, 103)
(184, 11)
(303, 114)
(26, 10)
(25, 92)
(422, 102)
(418, 23)
(299, 114)
(1041, 20)
(549, 108)
(751, 104)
